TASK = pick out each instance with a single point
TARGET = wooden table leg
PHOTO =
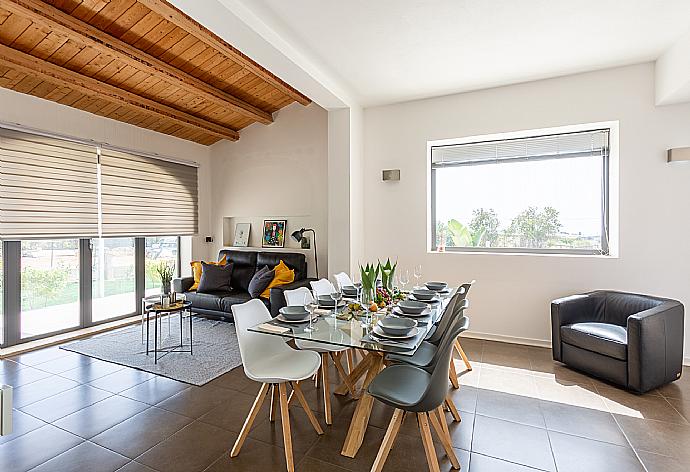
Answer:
(359, 371)
(343, 375)
(325, 384)
(360, 419)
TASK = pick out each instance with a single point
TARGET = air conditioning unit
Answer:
(5, 410)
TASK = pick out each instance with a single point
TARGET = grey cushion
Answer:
(260, 281)
(214, 278)
(604, 338)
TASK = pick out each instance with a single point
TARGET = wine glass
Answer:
(336, 295)
(418, 273)
(310, 305)
(404, 278)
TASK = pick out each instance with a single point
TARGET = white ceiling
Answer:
(385, 51)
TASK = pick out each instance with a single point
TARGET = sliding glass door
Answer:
(113, 272)
(49, 286)
(57, 285)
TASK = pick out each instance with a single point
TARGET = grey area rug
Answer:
(215, 350)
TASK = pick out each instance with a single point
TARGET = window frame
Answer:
(609, 161)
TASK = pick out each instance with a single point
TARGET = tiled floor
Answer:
(521, 412)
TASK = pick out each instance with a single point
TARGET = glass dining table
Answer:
(357, 333)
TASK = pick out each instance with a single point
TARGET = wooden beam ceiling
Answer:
(57, 21)
(138, 61)
(91, 87)
(185, 22)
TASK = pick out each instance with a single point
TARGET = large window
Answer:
(113, 278)
(545, 193)
(49, 286)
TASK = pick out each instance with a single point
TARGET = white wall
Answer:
(55, 118)
(275, 171)
(512, 294)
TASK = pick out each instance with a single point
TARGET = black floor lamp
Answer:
(298, 236)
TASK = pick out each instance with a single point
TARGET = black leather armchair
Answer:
(632, 340)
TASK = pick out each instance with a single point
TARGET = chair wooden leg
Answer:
(445, 439)
(326, 388)
(300, 396)
(316, 378)
(430, 451)
(274, 403)
(442, 418)
(388, 440)
(250, 420)
(452, 374)
(285, 423)
(461, 351)
(350, 360)
(341, 372)
(453, 410)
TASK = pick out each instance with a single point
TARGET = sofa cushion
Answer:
(294, 260)
(603, 338)
(206, 301)
(282, 275)
(197, 269)
(234, 297)
(260, 281)
(244, 267)
(215, 278)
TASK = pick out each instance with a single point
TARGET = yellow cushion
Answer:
(197, 267)
(283, 275)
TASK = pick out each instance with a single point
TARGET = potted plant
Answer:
(165, 271)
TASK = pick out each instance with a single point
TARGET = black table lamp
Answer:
(298, 236)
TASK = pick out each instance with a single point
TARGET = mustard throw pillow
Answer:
(197, 269)
(283, 275)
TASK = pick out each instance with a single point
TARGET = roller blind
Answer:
(144, 196)
(580, 144)
(48, 187)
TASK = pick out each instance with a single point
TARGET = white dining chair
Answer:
(269, 360)
(343, 280)
(300, 297)
(322, 287)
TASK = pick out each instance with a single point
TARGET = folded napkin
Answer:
(273, 328)
(322, 311)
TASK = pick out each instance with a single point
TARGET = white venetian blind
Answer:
(48, 187)
(144, 196)
(580, 144)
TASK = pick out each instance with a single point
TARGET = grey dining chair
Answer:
(422, 392)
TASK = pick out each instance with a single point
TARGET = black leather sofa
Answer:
(245, 264)
(632, 340)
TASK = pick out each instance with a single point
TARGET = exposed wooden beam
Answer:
(50, 72)
(184, 21)
(56, 20)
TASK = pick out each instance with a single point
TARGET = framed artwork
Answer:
(274, 233)
(242, 234)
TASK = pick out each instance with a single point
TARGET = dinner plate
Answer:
(282, 319)
(330, 305)
(433, 300)
(399, 312)
(382, 334)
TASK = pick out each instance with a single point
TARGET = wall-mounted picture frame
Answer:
(242, 234)
(273, 233)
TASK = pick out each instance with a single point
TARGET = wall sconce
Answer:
(679, 154)
(390, 175)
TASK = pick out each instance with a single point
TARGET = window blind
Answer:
(580, 144)
(48, 187)
(144, 196)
